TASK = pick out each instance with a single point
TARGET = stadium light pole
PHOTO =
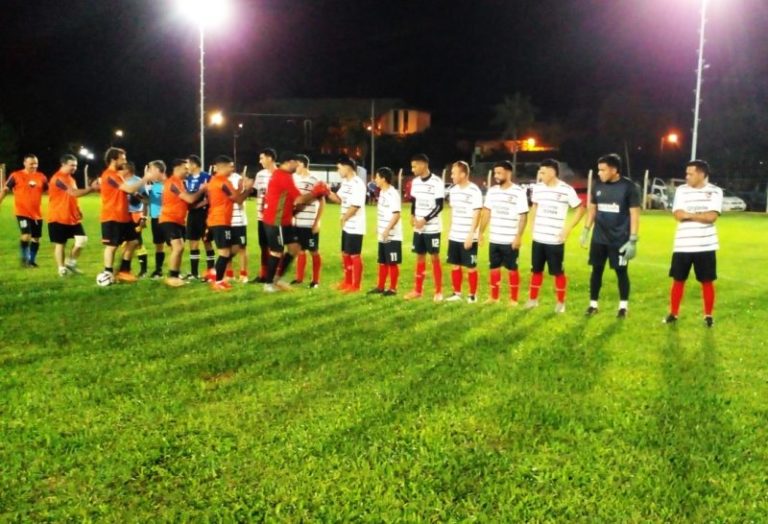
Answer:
(699, 70)
(204, 13)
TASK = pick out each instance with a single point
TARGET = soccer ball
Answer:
(105, 278)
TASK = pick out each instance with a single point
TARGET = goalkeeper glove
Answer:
(629, 250)
(584, 239)
(320, 190)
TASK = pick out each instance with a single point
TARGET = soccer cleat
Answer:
(258, 280)
(471, 299)
(513, 303)
(296, 282)
(63, 271)
(389, 293)
(412, 295)
(709, 321)
(591, 311)
(670, 319)
(351, 289)
(375, 291)
(491, 301)
(282, 285)
(560, 307)
(72, 267)
(438, 297)
(156, 275)
(210, 276)
(174, 282)
(243, 279)
(270, 288)
(621, 313)
(456, 297)
(221, 286)
(341, 286)
(532, 304)
(142, 275)
(32, 265)
(125, 276)
(314, 285)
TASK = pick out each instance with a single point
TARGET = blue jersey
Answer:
(135, 203)
(155, 199)
(193, 182)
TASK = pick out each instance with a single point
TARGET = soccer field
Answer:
(143, 403)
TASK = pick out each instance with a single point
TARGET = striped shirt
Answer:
(694, 237)
(506, 206)
(425, 194)
(308, 212)
(352, 193)
(260, 185)
(465, 201)
(239, 218)
(552, 205)
(389, 204)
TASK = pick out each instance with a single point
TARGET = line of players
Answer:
(188, 204)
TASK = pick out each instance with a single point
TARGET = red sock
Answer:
(456, 278)
(383, 270)
(243, 272)
(472, 277)
(229, 273)
(561, 283)
(301, 266)
(394, 275)
(536, 280)
(437, 271)
(708, 293)
(347, 261)
(316, 264)
(421, 269)
(357, 271)
(514, 284)
(676, 296)
(495, 280)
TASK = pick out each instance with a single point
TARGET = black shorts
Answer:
(279, 236)
(29, 226)
(158, 237)
(60, 233)
(351, 244)
(172, 231)
(551, 255)
(459, 256)
(391, 252)
(704, 265)
(196, 229)
(263, 240)
(221, 236)
(115, 233)
(502, 255)
(308, 240)
(424, 243)
(599, 253)
(239, 236)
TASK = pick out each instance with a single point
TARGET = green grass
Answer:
(139, 402)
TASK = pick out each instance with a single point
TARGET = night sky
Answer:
(75, 70)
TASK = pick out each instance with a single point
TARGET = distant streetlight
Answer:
(217, 118)
(531, 143)
(86, 153)
(119, 133)
(672, 139)
(205, 13)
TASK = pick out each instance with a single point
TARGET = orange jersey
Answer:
(28, 191)
(62, 207)
(220, 205)
(173, 209)
(114, 204)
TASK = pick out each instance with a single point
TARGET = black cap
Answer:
(287, 156)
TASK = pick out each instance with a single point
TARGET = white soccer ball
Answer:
(105, 278)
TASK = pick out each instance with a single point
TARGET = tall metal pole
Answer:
(373, 136)
(699, 71)
(202, 94)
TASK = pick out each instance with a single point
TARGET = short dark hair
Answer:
(195, 160)
(420, 157)
(130, 167)
(700, 165)
(222, 159)
(347, 161)
(505, 165)
(67, 157)
(30, 155)
(270, 152)
(287, 156)
(612, 160)
(385, 173)
(159, 164)
(304, 159)
(551, 162)
(113, 153)
(176, 162)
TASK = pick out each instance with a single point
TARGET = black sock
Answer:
(108, 270)
(272, 265)
(210, 258)
(596, 282)
(143, 263)
(623, 277)
(194, 261)
(125, 266)
(24, 246)
(174, 274)
(159, 259)
(286, 262)
(221, 267)
(34, 247)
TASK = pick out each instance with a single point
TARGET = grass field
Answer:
(139, 402)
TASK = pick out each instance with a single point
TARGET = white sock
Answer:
(623, 304)
(593, 303)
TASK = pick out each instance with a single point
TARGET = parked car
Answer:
(731, 202)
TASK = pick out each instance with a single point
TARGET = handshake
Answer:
(320, 190)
